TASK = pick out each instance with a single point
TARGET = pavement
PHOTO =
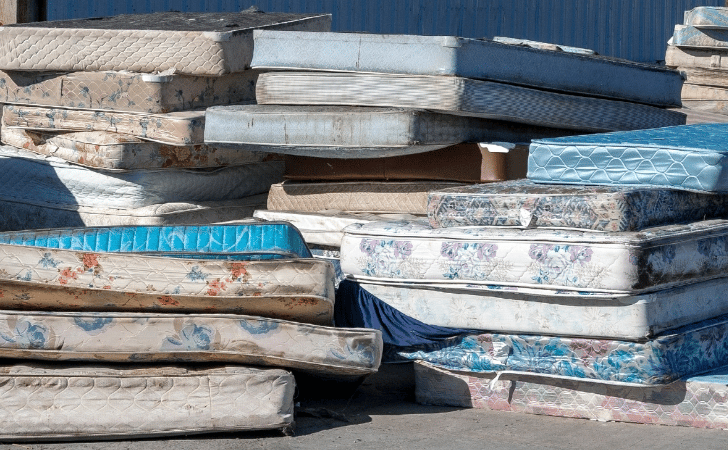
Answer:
(381, 414)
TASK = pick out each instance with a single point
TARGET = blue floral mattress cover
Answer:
(675, 354)
(690, 157)
(524, 203)
(583, 261)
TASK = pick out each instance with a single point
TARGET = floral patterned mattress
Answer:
(62, 401)
(199, 338)
(697, 401)
(523, 203)
(260, 268)
(582, 261)
(554, 312)
(668, 357)
(690, 157)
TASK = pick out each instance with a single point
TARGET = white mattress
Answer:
(701, 58)
(126, 91)
(48, 181)
(175, 128)
(325, 227)
(189, 43)
(199, 338)
(355, 132)
(559, 313)
(59, 402)
(462, 96)
(581, 261)
(115, 151)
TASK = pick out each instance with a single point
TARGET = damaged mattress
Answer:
(126, 91)
(690, 157)
(702, 58)
(355, 132)
(523, 203)
(48, 181)
(201, 338)
(688, 36)
(209, 44)
(527, 65)
(697, 401)
(176, 128)
(462, 96)
(707, 17)
(253, 268)
(582, 261)
(115, 151)
(78, 402)
(405, 197)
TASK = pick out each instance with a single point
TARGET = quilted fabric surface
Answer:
(51, 402)
(687, 36)
(691, 157)
(707, 17)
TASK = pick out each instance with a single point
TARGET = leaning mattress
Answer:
(48, 181)
(691, 157)
(675, 354)
(115, 151)
(523, 203)
(462, 96)
(406, 197)
(199, 338)
(254, 268)
(470, 58)
(208, 44)
(697, 401)
(126, 91)
(175, 128)
(355, 132)
(618, 262)
(523, 310)
(26, 216)
(60, 401)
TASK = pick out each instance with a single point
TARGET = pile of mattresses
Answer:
(104, 118)
(593, 289)
(141, 331)
(371, 123)
(698, 48)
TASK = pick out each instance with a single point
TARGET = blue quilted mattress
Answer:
(689, 157)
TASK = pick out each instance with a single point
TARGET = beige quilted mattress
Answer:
(116, 151)
(176, 128)
(58, 402)
(187, 43)
(126, 91)
(408, 197)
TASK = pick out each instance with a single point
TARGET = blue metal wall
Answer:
(631, 29)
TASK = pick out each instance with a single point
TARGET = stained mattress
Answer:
(163, 337)
(126, 91)
(355, 132)
(253, 268)
(702, 58)
(523, 203)
(48, 181)
(25, 216)
(707, 17)
(697, 401)
(688, 36)
(406, 197)
(57, 402)
(176, 128)
(211, 44)
(691, 157)
(679, 353)
(582, 261)
(469, 58)
(553, 312)
(462, 96)
(115, 151)
(326, 227)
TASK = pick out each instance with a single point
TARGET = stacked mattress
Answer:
(113, 109)
(696, 49)
(598, 281)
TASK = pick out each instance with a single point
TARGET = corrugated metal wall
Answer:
(631, 29)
